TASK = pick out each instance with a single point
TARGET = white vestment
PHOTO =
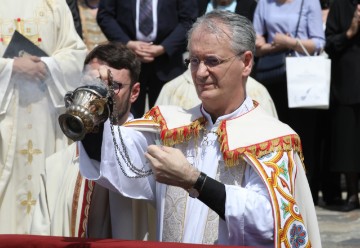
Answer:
(268, 201)
(71, 206)
(29, 130)
(181, 92)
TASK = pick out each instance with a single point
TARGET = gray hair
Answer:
(239, 29)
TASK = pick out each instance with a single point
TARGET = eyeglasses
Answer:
(209, 61)
(117, 86)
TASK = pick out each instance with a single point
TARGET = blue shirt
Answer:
(271, 17)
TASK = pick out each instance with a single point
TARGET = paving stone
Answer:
(339, 229)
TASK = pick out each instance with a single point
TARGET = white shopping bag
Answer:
(308, 81)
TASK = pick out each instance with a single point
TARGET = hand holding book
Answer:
(27, 63)
(30, 68)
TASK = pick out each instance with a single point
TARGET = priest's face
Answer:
(125, 92)
(218, 73)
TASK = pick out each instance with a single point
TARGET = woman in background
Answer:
(280, 25)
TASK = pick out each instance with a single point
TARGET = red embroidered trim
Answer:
(178, 135)
(88, 189)
(233, 157)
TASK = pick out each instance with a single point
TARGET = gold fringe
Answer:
(232, 158)
(178, 135)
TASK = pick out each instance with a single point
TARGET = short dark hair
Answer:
(117, 56)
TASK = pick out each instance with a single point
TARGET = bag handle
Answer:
(297, 27)
(302, 47)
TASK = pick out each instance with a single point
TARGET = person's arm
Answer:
(66, 54)
(106, 18)
(262, 46)
(288, 43)
(240, 207)
(30, 68)
(92, 143)
(187, 12)
(354, 27)
(61, 70)
(175, 41)
(115, 169)
(341, 28)
(248, 210)
(5, 86)
(314, 40)
(213, 194)
(316, 36)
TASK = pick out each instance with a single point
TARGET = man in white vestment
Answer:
(69, 205)
(32, 87)
(223, 172)
(181, 92)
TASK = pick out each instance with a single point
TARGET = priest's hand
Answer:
(170, 166)
(30, 67)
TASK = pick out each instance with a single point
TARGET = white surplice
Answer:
(29, 130)
(59, 208)
(250, 204)
(71, 206)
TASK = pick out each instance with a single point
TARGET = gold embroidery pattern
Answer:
(91, 32)
(28, 27)
(174, 215)
(30, 152)
(29, 202)
(211, 231)
(230, 176)
(7, 29)
(279, 172)
(86, 207)
(75, 203)
(30, 30)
